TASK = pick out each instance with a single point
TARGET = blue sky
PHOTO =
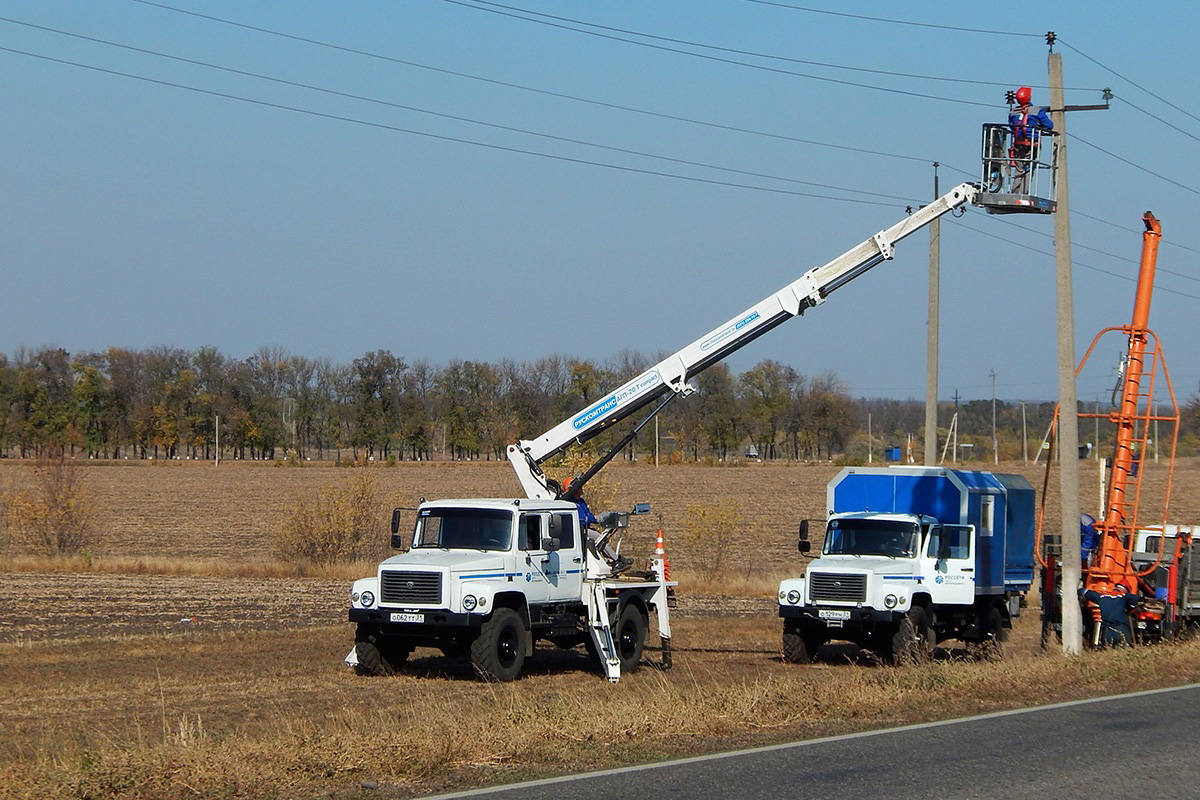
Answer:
(136, 213)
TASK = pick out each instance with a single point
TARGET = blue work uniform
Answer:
(1114, 615)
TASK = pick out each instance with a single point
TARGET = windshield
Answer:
(871, 537)
(464, 528)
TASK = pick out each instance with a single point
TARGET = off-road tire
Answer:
(375, 657)
(800, 647)
(629, 636)
(498, 654)
(990, 648)
(795, 650)
(913, 642)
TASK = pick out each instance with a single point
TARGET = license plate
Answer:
(397, 617)
(826, 613)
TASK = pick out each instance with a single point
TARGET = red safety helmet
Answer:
(1024, 95)
(1123, 586)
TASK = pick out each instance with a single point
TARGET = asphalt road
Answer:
(1145, 744)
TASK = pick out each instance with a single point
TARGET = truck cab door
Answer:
(552, 574)
(533, 562)
(952, 549)
(567, 560)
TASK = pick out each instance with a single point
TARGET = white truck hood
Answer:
(454, 560)
(880, 565)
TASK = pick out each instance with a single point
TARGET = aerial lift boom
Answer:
(671, 376)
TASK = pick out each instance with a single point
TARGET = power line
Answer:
(1128, 230)
(1096, 249)
(455, 117)
(892, 21)
(1129, 80)
(441, 137)
(646, 112)
(536, 90)
(736, 51)
(1111, 154)
(718, 59)
(1128, 102)
(1073, 261)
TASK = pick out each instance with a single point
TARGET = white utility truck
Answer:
(485, 578)
(913, 556)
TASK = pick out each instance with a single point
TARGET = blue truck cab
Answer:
(913, 556)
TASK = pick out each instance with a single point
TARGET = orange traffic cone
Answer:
(660, 550)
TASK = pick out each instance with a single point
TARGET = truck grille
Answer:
(838, 587)
(401, 588)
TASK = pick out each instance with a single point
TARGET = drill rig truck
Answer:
(1133, 549)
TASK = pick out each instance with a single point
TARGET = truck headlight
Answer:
(782, 595)
(890, 601)
(469, 602)
(367, 599)
(793, 597)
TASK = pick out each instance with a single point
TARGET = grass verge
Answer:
(307, 728)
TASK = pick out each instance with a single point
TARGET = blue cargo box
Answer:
(999, 505)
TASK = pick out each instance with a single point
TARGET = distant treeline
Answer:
(173, 403)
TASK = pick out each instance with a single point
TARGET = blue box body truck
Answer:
(913, 556)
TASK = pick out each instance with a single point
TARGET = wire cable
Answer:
(1143, 111)
(546, 92)
(1185, 187)
(893, 21)
(512, 129)
(720, 59)
(1128, 80)
(736, 51)
(1097, 250)
(1074, 262)
(441, 137)
(1131, 230)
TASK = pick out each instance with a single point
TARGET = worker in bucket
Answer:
(1027, 122)
(1115, 609)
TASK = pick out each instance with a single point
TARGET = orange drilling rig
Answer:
(1129, 543)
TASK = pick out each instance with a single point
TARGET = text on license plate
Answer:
(825, 613)
(398, 617)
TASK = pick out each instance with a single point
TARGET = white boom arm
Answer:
(673, 373)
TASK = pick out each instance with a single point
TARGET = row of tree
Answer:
(173, 403)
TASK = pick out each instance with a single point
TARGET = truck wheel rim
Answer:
(506, 647)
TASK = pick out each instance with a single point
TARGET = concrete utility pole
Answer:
(931, 345)
(995, 442)
(1024, 436)
(1068, 417)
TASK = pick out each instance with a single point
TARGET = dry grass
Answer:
(281, 719)
(184, 659)
(213, 568)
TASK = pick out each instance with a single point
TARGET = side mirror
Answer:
(804, 545)
(943, 552)
(397, 537)
(550, 543)
(641, 508)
